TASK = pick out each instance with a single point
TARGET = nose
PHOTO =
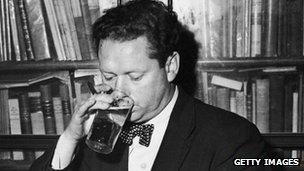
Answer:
(122, 85)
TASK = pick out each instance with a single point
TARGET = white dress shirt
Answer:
(140, 157)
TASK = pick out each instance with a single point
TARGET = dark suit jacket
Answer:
(198, 137)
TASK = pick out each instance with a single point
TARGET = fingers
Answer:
(85, 106)
(102, 88)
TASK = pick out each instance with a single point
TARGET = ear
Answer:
(172, 66)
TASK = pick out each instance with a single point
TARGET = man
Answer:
(137, 53)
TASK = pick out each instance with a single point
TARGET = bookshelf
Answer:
(220, 61)
(205, 64)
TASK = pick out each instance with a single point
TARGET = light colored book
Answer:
(15, 41)
(256, 28)
(262, 115)
(226, 82)
(37, 29)
(239, 98)
(15, 124)
(232, 101)
(295, 96)
(58, 115)
(64, 29)
(71, 23)
(54, 27)
(37, 120)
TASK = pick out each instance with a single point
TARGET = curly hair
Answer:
(137, 18)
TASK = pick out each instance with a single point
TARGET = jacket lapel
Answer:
(177, 138)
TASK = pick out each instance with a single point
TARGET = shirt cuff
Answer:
(64, 153)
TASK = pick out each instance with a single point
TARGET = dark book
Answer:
(47, 108)
(249, 103)
(66, 105)
(25, 30)
(4, 121)
(276, 100)
(25, 119)
(88, 26)
(282, 29)
(262, 111)
(269, 41)
(294, 40)
(25, 116)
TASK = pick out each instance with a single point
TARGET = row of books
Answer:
(33, 112)
(48, 29)
(246, 28)
(273, 103)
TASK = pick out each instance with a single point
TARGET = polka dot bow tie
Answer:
(144, 131)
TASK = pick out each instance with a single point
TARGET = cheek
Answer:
(149, 93)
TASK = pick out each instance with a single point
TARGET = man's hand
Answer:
(76, 130)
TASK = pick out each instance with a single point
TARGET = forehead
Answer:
(125, 56)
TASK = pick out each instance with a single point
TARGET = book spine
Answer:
(282, 28)
(25, 117)
(240, 29)
(295, 116)
(294, 28)
(4, 121)
(249, 102)
(54, 28)
(239, 97)
(262, 86)
(14, 31)
(58, 115)
(47, 108)
(36, 113)
(80, 29)
(276, 112)
(288, 105)
(26, 32)
(71, 24)
(15, 125)
(269, 28)
(8, 31)
(254, 102)
(20, 36)
(256, 15)
(223, 97)
(199, 93)
(232, 101)
(37, 28)
(66, 106)
(247, 34)
(4, 29)
(87, 25)
(94, 10)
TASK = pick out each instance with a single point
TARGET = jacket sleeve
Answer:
(243, 143)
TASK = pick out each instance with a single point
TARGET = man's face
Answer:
(126, 66)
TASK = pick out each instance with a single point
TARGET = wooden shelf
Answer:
(239, 63)
(276, 140)
(27, 141)
(207, 63)
(48, 65)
